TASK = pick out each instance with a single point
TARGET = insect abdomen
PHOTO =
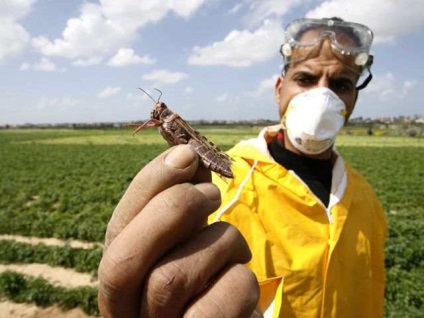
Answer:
(212, 159)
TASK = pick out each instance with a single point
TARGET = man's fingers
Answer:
(188, 269)
(177, 165)
(169, 218)
(234, 294)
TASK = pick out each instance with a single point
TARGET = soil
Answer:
(13, 310)
(56, 275)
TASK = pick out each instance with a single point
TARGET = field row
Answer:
(220, 136)
(65, 185)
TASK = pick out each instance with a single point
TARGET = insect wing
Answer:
(211, 156)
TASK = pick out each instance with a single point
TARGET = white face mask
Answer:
(313, 119)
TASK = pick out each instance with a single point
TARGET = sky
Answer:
(83, 61)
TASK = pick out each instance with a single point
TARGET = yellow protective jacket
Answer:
(310, 261)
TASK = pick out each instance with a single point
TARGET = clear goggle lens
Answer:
(350, 41)
(347, 37)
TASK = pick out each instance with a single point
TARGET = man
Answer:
(308, 226)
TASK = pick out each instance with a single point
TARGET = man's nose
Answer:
(323, 82)
(325, 50)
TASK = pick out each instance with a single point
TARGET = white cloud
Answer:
(25, 66)
(15, 9)
(408, 86)
(188, 90)
(103, 28)
(259, 10)
(87, 62)
(126, 56)
(87, 36)
(404, 16)
(228, 99)
(134, 97)
(388, 19)
(13, 36)
(236, 8)
(386, 87)
(13, 39)
(62, 102)
(109, 91)
(241, 48)
(265, 87)
(163, 77)
(185, 8)
(44, 65)
(222, 98)
(132, 14)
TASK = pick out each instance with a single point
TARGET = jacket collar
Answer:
(257, 148)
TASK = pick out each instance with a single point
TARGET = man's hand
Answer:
(161, 259)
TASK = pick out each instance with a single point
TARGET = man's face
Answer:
(324, 69)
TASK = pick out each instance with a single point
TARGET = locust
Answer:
(177, 131)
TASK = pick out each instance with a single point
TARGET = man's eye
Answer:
(304, 80)
(342, 85)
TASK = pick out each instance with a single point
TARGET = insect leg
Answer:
(149, 123)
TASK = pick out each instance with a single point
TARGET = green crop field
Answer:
(65, 184)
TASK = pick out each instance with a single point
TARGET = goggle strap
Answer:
(366, 82)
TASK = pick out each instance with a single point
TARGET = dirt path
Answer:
(13, 310)
(49, 241)
(58, 276)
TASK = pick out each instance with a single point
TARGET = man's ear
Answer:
(278, 85)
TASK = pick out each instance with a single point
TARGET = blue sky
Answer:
(82, 61)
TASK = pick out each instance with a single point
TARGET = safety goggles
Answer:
(350, 42)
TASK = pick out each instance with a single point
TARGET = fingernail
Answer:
(180, 157)
(210, 190)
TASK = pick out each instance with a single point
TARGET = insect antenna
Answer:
(159, 94)
(156, 101)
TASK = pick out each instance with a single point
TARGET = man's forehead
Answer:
(323, 56)
(323, 64)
